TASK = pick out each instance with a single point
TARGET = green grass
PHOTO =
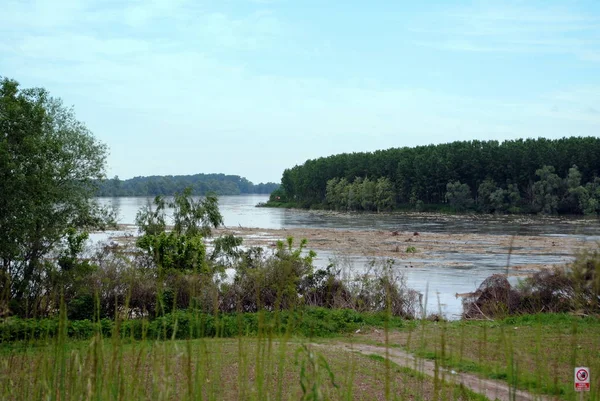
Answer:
(246, 368)
(268, 355)
(535, 352)
(307, 322)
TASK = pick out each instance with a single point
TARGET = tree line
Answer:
(168, 185)
(515, 176)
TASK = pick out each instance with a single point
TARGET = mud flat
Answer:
(423, 248)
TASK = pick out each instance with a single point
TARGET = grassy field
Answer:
(209, 369)
(535, 352)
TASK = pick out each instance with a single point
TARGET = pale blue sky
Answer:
(251, 87)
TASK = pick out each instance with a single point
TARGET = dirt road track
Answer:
(492, 389)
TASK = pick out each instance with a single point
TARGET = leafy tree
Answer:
(546, 191)
(342, 190)
(68, 278)
(505, 200)
(384, 195)
(577, 197)
(459, 195)
(331, 195)
(484, 192)
(183, 247)
(354, 194)
(514, 198)
(49, 162)
(367, 195)
(195, 217)
(362, 194)
(592, 206)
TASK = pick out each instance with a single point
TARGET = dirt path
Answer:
(492, 389)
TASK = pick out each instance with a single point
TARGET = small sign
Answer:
(582, 379)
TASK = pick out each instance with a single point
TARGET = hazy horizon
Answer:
(251, 87)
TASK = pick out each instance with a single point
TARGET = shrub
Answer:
(574, 288)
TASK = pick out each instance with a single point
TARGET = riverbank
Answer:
(453, 254)
(418, 249)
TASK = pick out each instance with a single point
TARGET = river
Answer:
(440, 279)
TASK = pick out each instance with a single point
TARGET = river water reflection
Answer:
(442, 281)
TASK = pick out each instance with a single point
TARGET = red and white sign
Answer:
(582, 379)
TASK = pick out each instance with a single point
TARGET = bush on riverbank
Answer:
(574, 288)
(283, 278)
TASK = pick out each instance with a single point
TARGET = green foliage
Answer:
(498, 200)
(182, 248)
(385, 198)
(174, 251)
(368, 194)
(49, 162)
(190, 217)
(185, 324)
(278, 196)
(484, 195)
(459, 195)
(546, 191)
(20, 329)
(585, 278)
(68, 278)
(227, 248)
(361, 194)
(195, 217)
(592, 206)
(411, 249)
(200, 184)
(382, 288)
(580, 198)
(419, 206)
(506, 170)
(269, 282)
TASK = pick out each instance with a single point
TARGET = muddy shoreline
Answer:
(416, 249)
(420, 246)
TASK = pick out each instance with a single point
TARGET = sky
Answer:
(252, 87)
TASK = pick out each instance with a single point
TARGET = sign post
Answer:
(582, 380)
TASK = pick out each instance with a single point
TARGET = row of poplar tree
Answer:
(515, 176)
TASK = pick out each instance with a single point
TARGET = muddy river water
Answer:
(439, 255)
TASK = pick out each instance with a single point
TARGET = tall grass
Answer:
(291, 353)
(269, 364)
